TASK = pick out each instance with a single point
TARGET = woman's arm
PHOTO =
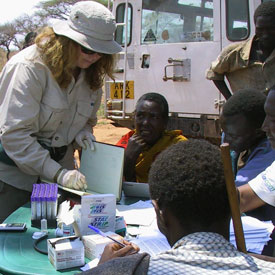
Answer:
(22, 87)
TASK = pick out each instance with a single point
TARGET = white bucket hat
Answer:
(91, 25)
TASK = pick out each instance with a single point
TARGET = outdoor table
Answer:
(17, 254)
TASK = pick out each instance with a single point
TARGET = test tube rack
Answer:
(44, 204)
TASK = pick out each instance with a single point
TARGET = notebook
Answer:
(103, 169)
(136, 189)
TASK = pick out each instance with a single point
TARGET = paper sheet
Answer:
(152, 246)
(256, 233)
(90, 264)
(139, 213)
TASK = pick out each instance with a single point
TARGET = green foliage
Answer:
(100, 112)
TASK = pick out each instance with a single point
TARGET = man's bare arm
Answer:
(222, 87)
(248, 199)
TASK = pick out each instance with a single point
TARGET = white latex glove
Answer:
(72, 179)
(85, 137)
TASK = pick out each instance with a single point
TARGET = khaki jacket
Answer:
(34, 108)
(241, 72)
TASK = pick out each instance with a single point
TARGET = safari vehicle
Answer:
(168, 45)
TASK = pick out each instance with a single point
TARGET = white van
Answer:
(169, 46)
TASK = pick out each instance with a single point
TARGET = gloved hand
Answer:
(85, 135)
(72, 179)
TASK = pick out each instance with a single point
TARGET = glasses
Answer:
(90, 52)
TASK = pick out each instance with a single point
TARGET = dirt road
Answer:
(106, 132)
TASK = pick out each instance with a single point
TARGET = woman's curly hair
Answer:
(60, 54)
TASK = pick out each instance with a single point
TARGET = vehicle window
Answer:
(173, 21)
(237, 20)
(120, 18)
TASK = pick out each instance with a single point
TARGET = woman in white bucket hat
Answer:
(49, 96)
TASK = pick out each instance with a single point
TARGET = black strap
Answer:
(38, 241)
(4, 157)
(56, 153)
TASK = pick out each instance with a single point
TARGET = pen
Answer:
(104, 235)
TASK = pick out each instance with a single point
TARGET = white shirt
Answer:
(264, 185)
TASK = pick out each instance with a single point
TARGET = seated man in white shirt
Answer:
(261, 189)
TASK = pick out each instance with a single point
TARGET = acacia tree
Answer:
(8, 37)
(58, 9)
(26, 23)
(12, 34)
(54, 9)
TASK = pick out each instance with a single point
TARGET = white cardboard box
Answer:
(66, 252)
(95, 244)
(98, 211)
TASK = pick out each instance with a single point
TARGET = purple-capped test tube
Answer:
(38, 202)
(48, 201)
(54, 200)
(33, 202)
(36, 198)
(51, 200)
(43, 201)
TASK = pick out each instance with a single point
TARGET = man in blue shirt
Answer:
(242, 117)
(261, 190)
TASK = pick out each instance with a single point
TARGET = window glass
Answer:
(120, 18)
(237, 20)
(173, 21)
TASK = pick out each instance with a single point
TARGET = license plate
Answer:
(117, 90)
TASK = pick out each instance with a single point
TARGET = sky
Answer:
(14, 8)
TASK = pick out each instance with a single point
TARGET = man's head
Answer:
(264, 19)
(151, 117)
(242, 117)
(187, 185)
(29, 39)
(269, 123)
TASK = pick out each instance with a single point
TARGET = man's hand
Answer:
(135, 146)
(72, 179)
(114, 250)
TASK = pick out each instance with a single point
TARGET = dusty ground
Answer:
(106, 132)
